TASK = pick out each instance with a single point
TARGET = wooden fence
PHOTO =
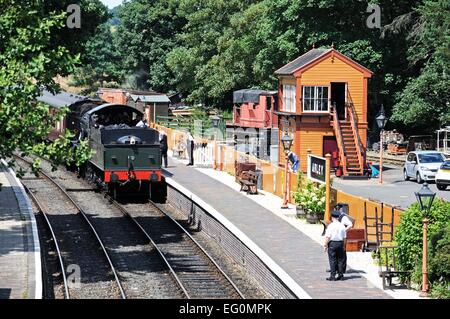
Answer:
(224, 157)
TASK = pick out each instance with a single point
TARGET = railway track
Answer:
(86, 267)
(193, 273)
(387, 160)
(197, 273)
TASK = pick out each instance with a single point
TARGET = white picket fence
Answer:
(204, 155)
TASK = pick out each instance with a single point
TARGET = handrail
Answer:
(354, 123)
(340, 141)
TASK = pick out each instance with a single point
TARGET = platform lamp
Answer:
(286, 140)
(381, 122)
(425, 197)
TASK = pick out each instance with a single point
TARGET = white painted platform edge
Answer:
(269, 262)
(36, 244)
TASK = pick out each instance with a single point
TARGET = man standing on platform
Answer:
(334, 244)
(347, 221)
(190, 146)
(164, 147)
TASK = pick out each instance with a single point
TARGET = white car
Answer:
(422, 165)
(443, 176)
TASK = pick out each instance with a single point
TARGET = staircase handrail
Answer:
(354, 123)
(340, 141)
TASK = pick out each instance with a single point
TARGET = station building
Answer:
(322, 99)
(254, 128)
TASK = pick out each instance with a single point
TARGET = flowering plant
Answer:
(310, 196)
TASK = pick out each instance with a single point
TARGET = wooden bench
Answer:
(248, 180)
(388, 268)
(355, 239)
(242, 167)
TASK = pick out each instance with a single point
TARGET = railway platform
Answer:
(20, 264)
(298, 254)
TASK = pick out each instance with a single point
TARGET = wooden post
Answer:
(308, 152)
(285, 195)
(328, 188)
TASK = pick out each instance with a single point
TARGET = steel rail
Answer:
(150, 239)
(81, 211)
(58, 250)
(197, 244)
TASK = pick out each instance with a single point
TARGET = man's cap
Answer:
(335, 214)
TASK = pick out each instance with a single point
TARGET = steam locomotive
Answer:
(126, 157)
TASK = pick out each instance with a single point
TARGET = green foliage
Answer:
(93, 13)
(441, 290)
(310, 196)
(103, 61)
(439, 255)
(408, 237)
(30, 59)
(425, 99)
(146, 34)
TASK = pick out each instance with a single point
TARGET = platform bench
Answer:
(355, 239)
(248, 181)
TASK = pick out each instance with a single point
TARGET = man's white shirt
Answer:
(336, 231)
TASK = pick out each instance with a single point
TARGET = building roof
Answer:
(301, 61)
(61, 99)
(161, 98)
(250, 95)
(313, 55)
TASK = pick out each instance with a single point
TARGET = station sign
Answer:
(316, 168)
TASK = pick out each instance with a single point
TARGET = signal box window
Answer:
(315, 99)
(289, 97)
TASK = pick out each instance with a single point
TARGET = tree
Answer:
(103, 61)
(425, 100)
(146, 34)
(30, 59)
(206, 22)
(93, 14)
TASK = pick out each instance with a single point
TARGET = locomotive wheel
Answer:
(82, 170)
(90, 175)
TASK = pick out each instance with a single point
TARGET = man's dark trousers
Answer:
(164, 157)
(336, 257)
(191, 153)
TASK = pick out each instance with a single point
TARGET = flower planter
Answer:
(300, 212)
(313, 218)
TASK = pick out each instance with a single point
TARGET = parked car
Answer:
(422, 165)
(443, 176)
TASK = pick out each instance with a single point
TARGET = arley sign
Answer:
(316, 168)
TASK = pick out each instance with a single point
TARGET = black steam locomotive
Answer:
(126, 157)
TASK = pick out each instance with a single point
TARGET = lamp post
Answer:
(286, 140)
(381, 122)
(425, 197)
